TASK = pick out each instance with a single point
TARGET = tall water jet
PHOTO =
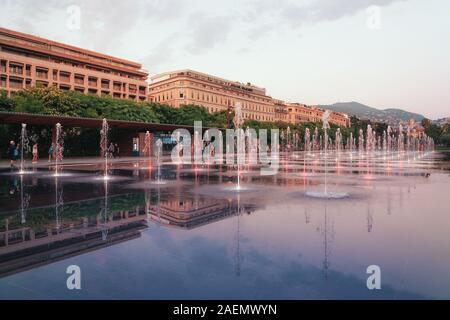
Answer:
(338, 140)
(307, 140)
(316, 139)
(389, 138)
(147, 144)
(158, 157)
(326, 194)
(350, 142)
(238, 121)
(400, 141)
(369, 138)
(58, 147)
(361, 140)
(24, 147)
(104, 146)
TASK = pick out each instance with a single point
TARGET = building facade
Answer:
(27, 61)
(215, 94)
(184, 87)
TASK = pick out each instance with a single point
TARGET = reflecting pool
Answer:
(184, 232)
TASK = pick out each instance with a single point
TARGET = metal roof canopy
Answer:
(65, 121)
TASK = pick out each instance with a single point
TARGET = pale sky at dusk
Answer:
(315, 52)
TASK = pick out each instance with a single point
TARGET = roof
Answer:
(42, 120)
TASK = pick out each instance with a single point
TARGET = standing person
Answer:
(51, 152)
(116, 150)
(59, 152)
(12, 152)
(35, 153)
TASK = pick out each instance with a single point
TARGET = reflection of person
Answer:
(13, 185)
(12, 152)
(35, 153)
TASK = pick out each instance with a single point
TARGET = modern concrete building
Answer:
(215, 94)
(27, 61)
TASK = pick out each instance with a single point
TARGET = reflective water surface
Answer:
(185, 232)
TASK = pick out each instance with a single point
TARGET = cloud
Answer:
(207, 31)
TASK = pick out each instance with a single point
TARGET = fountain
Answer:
(58, 148)
(104, 146)
(147, 144)
(158, 157)
(238, 121)
(326, 194)
(24, 147)
(307, 140)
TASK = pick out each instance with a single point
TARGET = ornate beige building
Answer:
(26, 61)
(215, 94)
(183, 87)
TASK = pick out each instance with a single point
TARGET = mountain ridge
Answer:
(364, 112)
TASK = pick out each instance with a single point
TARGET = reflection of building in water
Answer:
(24, 248)
(192, 213)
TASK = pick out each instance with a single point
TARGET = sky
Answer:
(382, 53)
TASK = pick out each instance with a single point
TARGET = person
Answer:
(51, 152)
(116, 150)
(59, 152)
(35, 153)
(12, 152)
(111, 150)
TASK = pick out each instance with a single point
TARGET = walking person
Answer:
(35, 153)
(111, 150)
(12, 152)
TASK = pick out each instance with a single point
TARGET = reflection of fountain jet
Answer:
(369, 219)
(307, 216)
(24, 201)
(104, 212)
(59, 203)
(327, 233)
(237, 251)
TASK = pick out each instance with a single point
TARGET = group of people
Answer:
(55, 151)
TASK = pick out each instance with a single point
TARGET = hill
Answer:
(362, 111)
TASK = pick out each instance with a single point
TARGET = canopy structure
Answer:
(51, 120)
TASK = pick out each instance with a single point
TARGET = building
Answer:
(298, 113)
(184, 87)
(27, 61)
(215, 94)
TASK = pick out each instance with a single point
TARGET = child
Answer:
(35, 153)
